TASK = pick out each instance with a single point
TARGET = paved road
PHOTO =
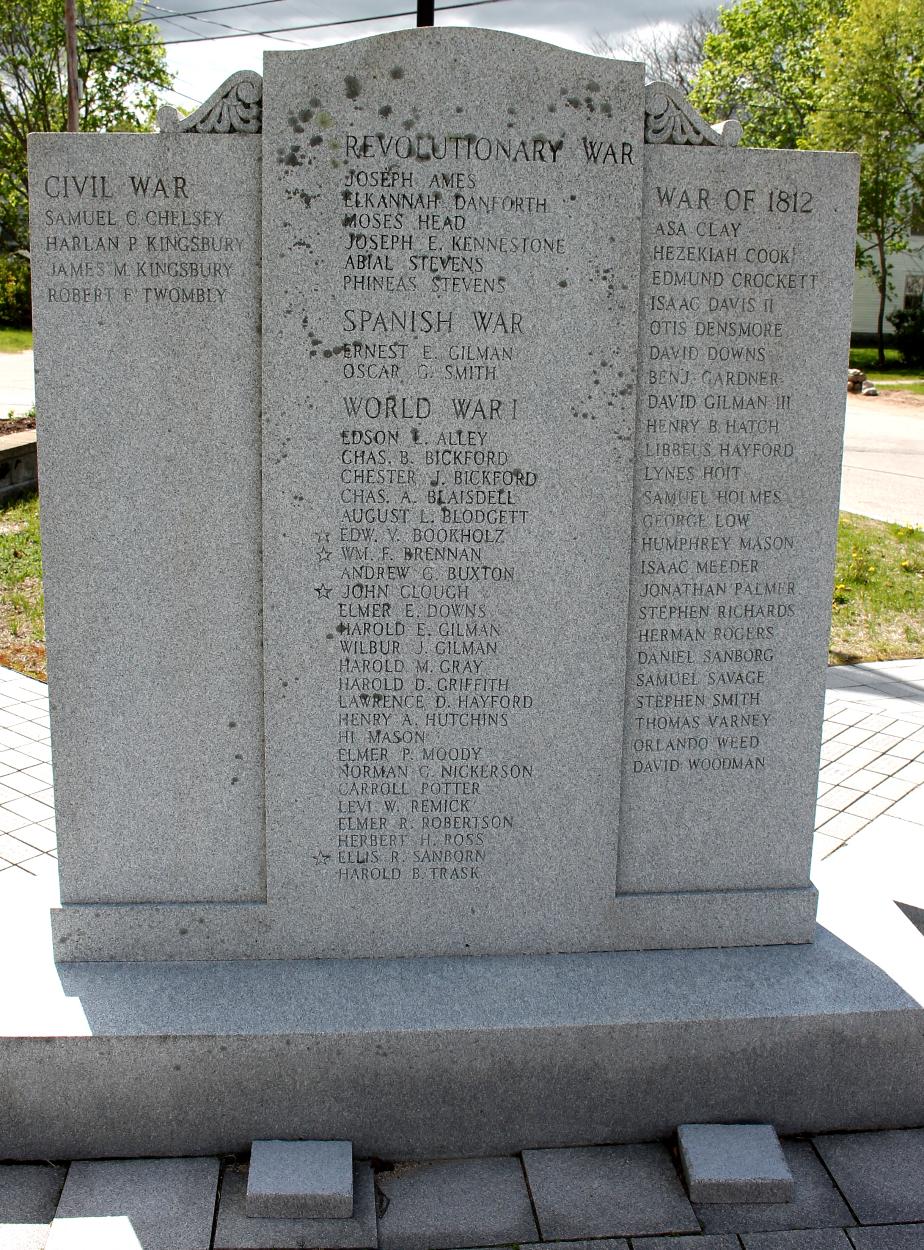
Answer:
(883, 446)
(884, 458)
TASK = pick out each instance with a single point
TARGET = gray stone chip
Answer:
(734, 1163)
(301, 1179)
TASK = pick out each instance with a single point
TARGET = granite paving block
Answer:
(301, 1179)
(888, 1237)
(880, 1174)
(608, 1243)
(236, 1230)
(463, 1202)
(605, 1191)
(29, 1192)
(718, 1241)
(28, 1196)
(136, 1204)
(815, 1202)
(734, 1163)
(804, 1239)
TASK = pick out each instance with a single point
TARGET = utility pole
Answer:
(70, 42)
(425, 12)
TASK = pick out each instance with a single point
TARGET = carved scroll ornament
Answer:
(670, 118)
(235, 108)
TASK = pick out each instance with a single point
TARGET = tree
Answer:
(764, 66)
(670, 53)
(121, 63)
(871, 101)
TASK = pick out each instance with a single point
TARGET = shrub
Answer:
(15, 292)
(909, 334)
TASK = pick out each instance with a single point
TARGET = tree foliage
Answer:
(764, 67)
(121, 63)
(871, 101)
(670, 53)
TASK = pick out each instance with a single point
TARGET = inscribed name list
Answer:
(146, 289)
(450, 318)
(746, 276)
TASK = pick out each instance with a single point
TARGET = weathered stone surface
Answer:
(435, 665)
(462, 1202)
(301, 1179)
(734, 1163)
(147, 381)
(159, 1204)
(880, 1174)
(815, 1202)
(236, 1230)
(746, 280)
(607, 1190)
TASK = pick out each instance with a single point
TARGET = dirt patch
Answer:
(14, 425)
(900, 398)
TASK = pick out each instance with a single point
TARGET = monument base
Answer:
(442, 1057)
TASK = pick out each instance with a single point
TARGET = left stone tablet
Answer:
(146, 284)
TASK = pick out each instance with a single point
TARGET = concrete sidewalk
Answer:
(17, 384)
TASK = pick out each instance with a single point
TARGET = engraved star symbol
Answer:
(320, 857)
(323, 592)
(323, 538)
(324, 553)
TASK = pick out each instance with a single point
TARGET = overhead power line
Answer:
(171, 16)
(347, 21)
(224, 8)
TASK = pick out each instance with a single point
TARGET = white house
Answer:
(907, 285)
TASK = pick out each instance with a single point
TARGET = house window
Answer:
(914, 290)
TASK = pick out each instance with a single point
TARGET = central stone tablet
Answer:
(451, 252)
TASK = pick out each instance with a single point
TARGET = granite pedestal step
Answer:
(436, 1058)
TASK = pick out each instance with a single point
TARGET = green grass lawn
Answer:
(894, 369)
(22, 604)
(878, 600)
(865, 358)
(15, 340)
(878, 606)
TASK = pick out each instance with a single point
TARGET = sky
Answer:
(200, 67)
